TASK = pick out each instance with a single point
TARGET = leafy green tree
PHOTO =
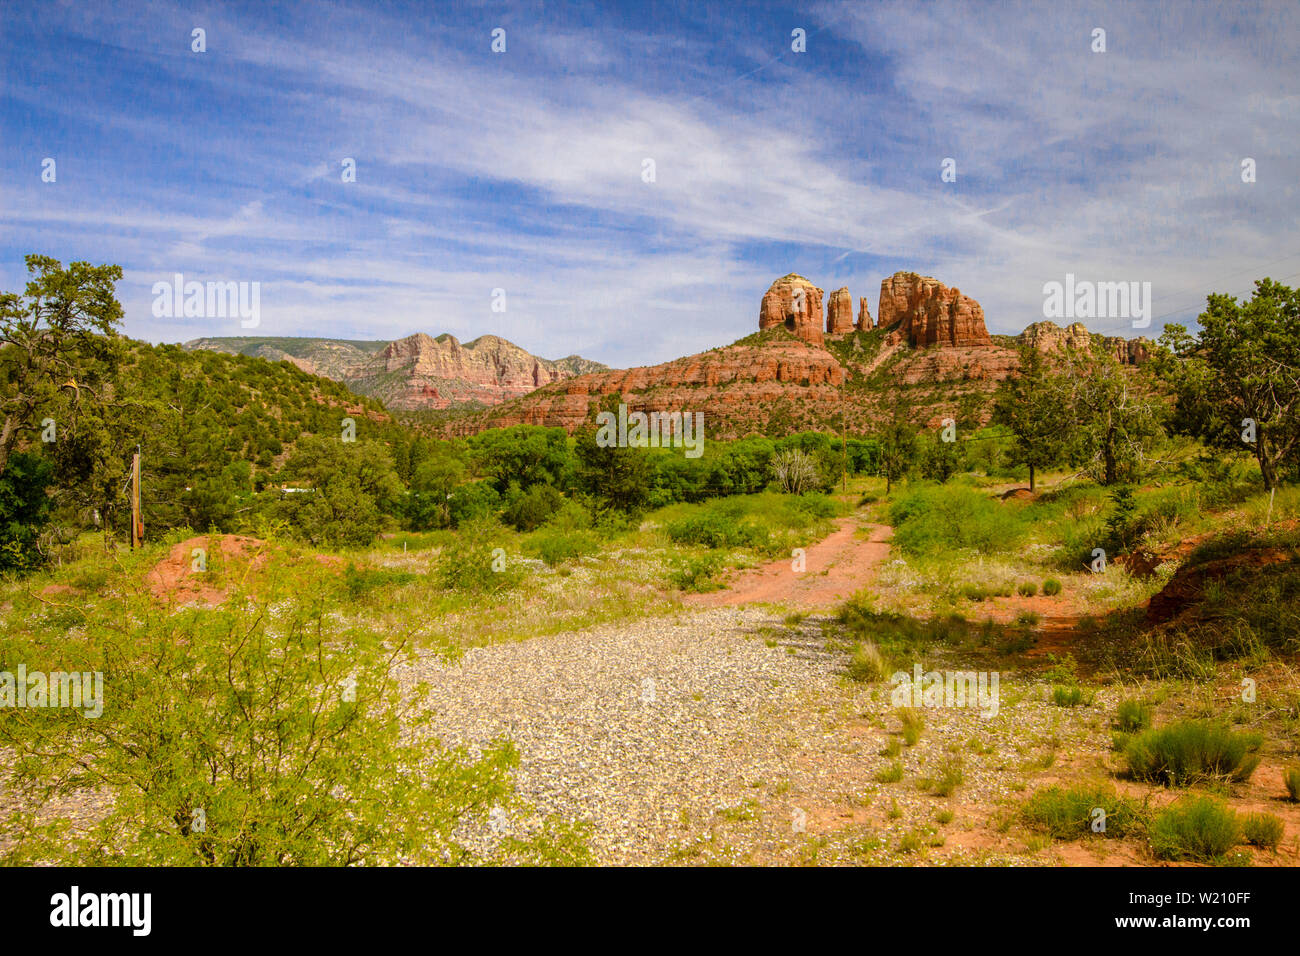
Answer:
(354, 485)
(617, 478)
(24, 509)
(1033, 405)
(1114, 420)
(524, 454)
(1239, 377)
(58, 346)
(432, 486)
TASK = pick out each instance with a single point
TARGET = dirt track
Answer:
(835, 568)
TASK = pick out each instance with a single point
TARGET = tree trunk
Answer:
(1031, 479)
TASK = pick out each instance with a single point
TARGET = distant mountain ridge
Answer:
(416, 372)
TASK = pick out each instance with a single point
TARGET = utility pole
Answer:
(137, 526)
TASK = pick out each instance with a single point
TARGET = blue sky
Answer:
(522, 170)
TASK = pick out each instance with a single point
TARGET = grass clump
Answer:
(1291, 780)
(1132, 716)
(867, 664)
(1202, 829)
(935, 519)
(1068, 813)
(1261, 829)
(1051, 587)
(913, 724)
(1191, 750)
(1068, 696)
(697, 574)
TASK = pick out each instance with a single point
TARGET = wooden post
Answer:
(137, 526)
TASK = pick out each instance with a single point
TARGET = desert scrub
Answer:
(867, 663)
(1051, 587)
(1191, 750)
(473, 562)
(1069, 696)
(913, 724)
(935, 519)
(1132, 716)
(696, 573)
(287, 729)
(1261, 829)
(1027, 589)
(1291, 780)
(1202, 829)
(1068, 813)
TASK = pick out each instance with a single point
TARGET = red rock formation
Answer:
(839, 312)
(1050, 337)
(864, 315)
(794, 302)
(927, 312)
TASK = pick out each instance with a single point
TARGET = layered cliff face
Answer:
(733, 386)
(1050, 337)
(839, 313)
(420, 371)
(416, 372)
(928, 312)
(795, 303)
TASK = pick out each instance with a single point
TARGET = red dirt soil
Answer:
(172, 580)
(836, 567)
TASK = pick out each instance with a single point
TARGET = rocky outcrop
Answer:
(927, 312)
(839, 313)
(795, 303)
(864, 315)
(1050, 337)
(416, 372)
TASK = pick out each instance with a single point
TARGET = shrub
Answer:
(291, 736)
(471, 562)
(528, 510)
(950, 778)
(472, 502)
(1181, 753)
(1051, 587)
(913, 724)
(1028, 589)
(1067, 696)
(1132, 716)
(1197, 828)
(1262, 829)
(1068, 813)
(931, 520)
(891, 774)
(695, 573)
(867, 664)
(1291, 779)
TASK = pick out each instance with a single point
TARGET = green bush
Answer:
(1051, 587)
(1028, 589)
(1067, 696)
(1262, 829)
(695, 573)
(1132, 716)
(1191, 750)
(289, 738)
(472, 502)
(471, 562)
(1066, 813)
(528, 510)
(867, 663)
(1197, 828)
(931, 520)
(1291, 780)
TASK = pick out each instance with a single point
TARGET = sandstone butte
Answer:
(801, 372)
